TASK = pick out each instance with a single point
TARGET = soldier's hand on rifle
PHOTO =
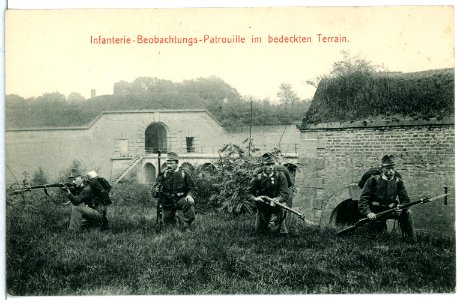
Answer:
(398, 210)
(190, 199)
(66, 189)
(260, 199)
(371, 216)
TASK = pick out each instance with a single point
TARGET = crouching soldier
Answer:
(273, 185)
(90, 200)
(175, 190)
(383, 192)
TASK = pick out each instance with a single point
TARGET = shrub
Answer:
(231, 179)
(39, 177)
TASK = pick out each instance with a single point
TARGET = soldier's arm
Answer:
(83, 197)
(363, 202)
(402, 193)
(190, 185)
(283, 192)
(252, 188)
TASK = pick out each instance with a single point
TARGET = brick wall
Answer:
(333, 156)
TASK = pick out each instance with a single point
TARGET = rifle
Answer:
(28, 188)
(300, 215)
(363, 221)
(157, 191)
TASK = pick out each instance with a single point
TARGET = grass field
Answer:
(221, 255)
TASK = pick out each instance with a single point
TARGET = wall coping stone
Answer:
(90, 124)
(376, 124)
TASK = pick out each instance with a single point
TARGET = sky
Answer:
(51, 50)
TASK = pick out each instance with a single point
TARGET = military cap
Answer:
(267, 159)
(75, 173)
(173, 156)
(388, 161)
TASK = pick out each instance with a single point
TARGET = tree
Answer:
(55, 97)
(75, 97)
(121, 88)
(287, 96)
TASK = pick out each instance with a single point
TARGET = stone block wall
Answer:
(334, 156)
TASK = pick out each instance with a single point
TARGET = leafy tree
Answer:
(287, 96)
(75, 97)
(121, 88)
(55, 97)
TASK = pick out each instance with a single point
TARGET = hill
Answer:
(360, 95)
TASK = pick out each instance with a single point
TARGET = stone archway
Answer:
(156, 138)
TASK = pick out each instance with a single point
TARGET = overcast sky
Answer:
(50, 50)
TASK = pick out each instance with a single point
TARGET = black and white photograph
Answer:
(229, 150)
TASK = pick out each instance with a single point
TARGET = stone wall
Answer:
(334, 156)
(97, 145)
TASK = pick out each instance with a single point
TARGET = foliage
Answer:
(39, 177)
(287, 96)
(75, 166)
(212, 94)
(356, 89)
(235, 169)
(220, 255)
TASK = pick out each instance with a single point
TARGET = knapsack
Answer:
(105, 184)
(96, 184)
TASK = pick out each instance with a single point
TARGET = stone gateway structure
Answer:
(124, 145)
(117, 143)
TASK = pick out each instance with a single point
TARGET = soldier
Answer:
(272, 184)
(89, 207)
(175, 190)
(290, 184)
(385, 191)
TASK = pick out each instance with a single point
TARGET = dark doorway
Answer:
(155, 138)
(346, 213)
(149, 173)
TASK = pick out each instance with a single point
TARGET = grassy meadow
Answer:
(221, 255)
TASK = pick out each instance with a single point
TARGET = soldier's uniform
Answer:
(88, 207)
(272, 185)
(175, 186)
(381, 193)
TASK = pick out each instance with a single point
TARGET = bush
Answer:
(39, 177)
(231, 179)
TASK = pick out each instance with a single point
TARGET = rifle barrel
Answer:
(291, 210)
(41, 186)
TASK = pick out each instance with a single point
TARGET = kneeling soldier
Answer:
(174, 189)
(272, 184)
(383, 192)
(89, 204)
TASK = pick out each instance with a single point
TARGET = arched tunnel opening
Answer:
(346, 213)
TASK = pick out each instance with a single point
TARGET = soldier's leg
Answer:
(283, 225)
(188, 211)
(262, 217)
(82, 212)
(406, 221)
(279, 220)
(169, 215)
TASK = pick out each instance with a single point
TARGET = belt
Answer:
(175, 195)
(391, 205)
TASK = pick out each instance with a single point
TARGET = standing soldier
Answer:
(385, 191)
(175, 190)
(273, 185)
